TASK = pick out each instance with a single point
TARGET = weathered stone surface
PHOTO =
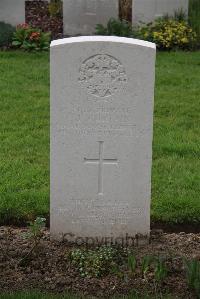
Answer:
(12, 11)
(102, 91)
(81, 16)
(148, 10)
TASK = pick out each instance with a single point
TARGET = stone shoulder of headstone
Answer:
(99, 38)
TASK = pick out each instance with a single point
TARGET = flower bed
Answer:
(52, 266)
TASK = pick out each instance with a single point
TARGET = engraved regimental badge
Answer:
(102, 75)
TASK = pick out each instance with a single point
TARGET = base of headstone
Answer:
(126, 241)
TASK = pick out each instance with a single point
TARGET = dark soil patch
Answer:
(177, 228)
(49, 268)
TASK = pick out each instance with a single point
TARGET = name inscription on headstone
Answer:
(99, 119)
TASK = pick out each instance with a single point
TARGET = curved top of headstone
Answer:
(98, 38)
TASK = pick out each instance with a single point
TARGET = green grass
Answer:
(24, 133)
(176, 148)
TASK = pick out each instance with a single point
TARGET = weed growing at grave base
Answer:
(95, 263)
(104, 260)
(132, 263)
(192, 268)
(24, 134)
(35, 235)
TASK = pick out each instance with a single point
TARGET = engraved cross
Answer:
(100, 162)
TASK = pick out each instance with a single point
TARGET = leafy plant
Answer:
(146, 263)
(94, 263)
(158, 266)
(192, 268)
(116, 27)
(132, 263)
(194, 17)
(180, 15)
(35, 234)
(169, 34)
(160, 269)
(29, 38)
(36, 228)
(6, 33)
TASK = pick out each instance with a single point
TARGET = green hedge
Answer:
(6, 33)
(194, 16)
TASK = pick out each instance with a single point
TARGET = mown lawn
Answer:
(24, 135)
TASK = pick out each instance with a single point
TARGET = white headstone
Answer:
(81, 16)
(148, 10)
(102, 91)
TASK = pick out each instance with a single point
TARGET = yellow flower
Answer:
(184, 40)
